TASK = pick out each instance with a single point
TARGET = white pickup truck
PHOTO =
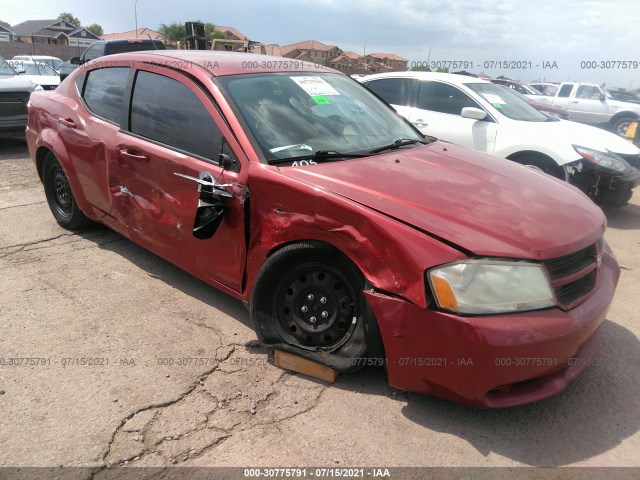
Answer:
(589, 103)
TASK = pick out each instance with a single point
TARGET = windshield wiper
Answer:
(397, 144)
(319, 155)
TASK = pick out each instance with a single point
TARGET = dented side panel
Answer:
(283, 212)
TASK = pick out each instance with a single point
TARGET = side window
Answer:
(92, 52)
(168, 112)
(443, 98)
(392, 90)
(588, 92)
(104, 92)
(565, 90)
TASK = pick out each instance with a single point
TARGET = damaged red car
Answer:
(353, 239)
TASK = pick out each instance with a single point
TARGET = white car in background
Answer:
(39, 73)
(484, 116)
(53, 62)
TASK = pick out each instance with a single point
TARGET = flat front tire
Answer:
(308, 300)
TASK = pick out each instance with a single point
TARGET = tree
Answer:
(70, 18)
(174, 31)
(422, 68)
(95, 29)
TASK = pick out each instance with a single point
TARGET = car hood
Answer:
(586, 136)
(482, 204)
(13, 83)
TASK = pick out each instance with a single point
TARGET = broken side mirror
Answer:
(210, 209)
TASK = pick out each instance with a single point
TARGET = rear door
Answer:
(173, 139)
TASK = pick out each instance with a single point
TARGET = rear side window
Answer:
(168, 112)
(122, 47)
(392, 90)
(104, 92)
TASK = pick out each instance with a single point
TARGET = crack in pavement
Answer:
(73, 238)
(22, 205)
(239, 394)
(190, 388)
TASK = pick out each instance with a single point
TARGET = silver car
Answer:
(14, 96)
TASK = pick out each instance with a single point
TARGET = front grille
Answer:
(633, 160)
(13, 103)
(573, 276)
(49, 87)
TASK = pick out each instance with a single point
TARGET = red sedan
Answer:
(352, 239)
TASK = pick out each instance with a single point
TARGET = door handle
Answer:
(132, 155)
(420, 123)
(67, 122)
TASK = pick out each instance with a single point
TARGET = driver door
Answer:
(167, 160)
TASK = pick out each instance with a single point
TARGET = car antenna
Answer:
(152, 42)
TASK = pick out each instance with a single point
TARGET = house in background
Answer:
(6, 33)
(52, 32)
(385, 62)
(143, 33)
(311, 51)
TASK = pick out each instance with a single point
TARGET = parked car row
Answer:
(352, 238)
(490, 118)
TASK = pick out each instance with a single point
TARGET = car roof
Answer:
(219, 63)
(34, 56)
(445, 77)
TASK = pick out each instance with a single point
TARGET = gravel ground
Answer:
(96, 295)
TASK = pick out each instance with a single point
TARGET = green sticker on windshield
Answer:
(321, 100)
(497, 105)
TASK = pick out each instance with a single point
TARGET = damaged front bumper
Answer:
(603, 186)
(492, 361)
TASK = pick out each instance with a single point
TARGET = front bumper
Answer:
(492, 361)
(604, 187)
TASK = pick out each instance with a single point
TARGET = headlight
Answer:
(486, 286)
(607, 160)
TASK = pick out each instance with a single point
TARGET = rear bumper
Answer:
(492, 361)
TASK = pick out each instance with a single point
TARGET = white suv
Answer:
(487, 117)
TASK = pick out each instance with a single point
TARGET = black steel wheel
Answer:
(308, 299)
(315, 306)
(60, 197)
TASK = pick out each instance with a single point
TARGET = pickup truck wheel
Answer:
(620, 125)
(308, 297)
(545, 164)
(60, 197)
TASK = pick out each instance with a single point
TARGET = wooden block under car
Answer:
(290, 361)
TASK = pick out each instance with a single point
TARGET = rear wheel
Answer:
(308, 299)
(60, 197)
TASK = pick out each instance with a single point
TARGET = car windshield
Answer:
(5, 68)
(296, 114)
(32, 68)
(508, 104)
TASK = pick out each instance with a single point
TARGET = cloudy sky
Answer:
(560, 34)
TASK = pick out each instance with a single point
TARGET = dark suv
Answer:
(108, 47)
